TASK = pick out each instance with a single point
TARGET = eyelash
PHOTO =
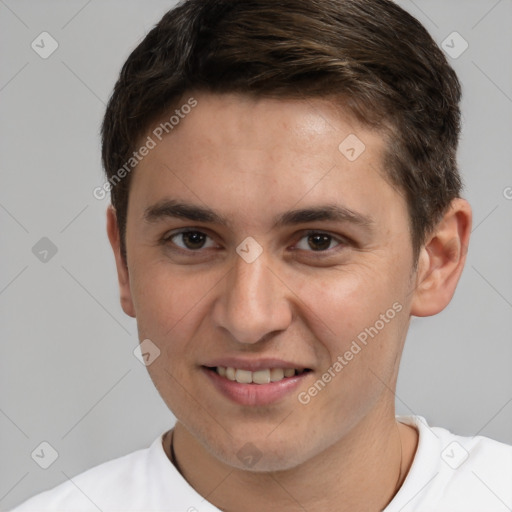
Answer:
(341, 242)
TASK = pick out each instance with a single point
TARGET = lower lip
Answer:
(255, 394)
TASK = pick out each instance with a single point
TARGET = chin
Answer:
(260, 455)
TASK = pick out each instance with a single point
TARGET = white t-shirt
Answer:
(449, 474)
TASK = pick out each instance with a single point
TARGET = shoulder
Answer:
(478, 468)
(455, 473)
(125, 483)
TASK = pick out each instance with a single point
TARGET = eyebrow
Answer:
(169, 208)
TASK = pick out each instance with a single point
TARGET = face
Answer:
(259, 249)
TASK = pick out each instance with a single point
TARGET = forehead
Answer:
(271, 124)
(239, 154)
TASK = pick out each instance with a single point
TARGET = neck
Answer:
(367, 466)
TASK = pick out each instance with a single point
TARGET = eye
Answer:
(189, 240)
(318, 241)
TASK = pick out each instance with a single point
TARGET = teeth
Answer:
(261, 377)
(276, 374)
(243, 376)
(257, 377)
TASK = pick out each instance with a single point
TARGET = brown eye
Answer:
(193, 239)
(189, 240)
(318, 242)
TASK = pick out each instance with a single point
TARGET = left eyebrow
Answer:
(330, 212)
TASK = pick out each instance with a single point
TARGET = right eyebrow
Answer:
(170, 208)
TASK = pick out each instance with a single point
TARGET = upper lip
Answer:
(253, 365)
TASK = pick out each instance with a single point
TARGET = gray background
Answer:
(68, 373)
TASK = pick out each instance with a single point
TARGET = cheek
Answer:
(342, 302)
(357, 317)
(169, 306)
(167, 302)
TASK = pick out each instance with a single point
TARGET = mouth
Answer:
(257, 387)
(260, 377)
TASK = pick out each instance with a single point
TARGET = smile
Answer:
(264, 376)
(263, 386)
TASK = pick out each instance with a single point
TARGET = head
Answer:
(326, 132)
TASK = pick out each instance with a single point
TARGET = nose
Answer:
(253, 302)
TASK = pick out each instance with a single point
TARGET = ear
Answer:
(442, 260)
(122, 268)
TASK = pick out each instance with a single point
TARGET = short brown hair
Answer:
(369, 55)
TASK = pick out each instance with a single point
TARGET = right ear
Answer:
(122, 269)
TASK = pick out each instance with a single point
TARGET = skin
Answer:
(250, 160)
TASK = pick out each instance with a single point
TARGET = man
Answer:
(285, 196)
